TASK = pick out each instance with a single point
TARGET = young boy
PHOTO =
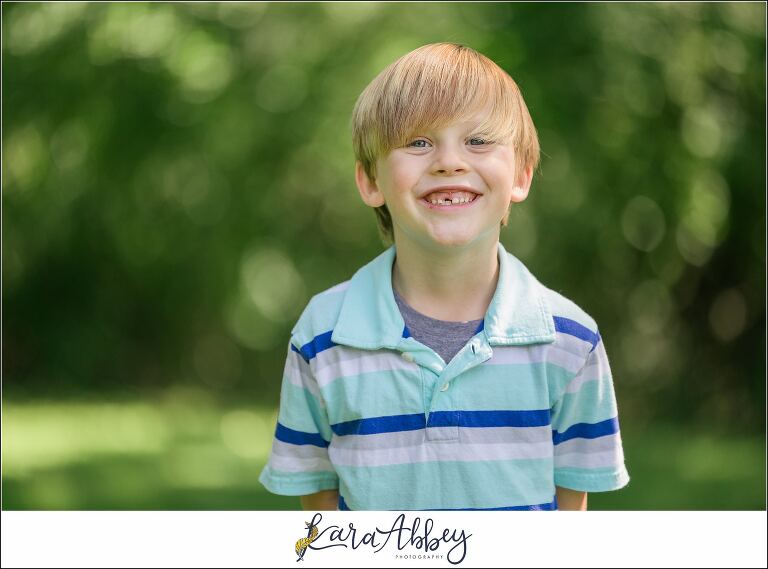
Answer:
(443, 375)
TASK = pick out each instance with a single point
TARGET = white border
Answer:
(496, 539)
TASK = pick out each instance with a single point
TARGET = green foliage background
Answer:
(178, 182)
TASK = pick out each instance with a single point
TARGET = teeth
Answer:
(456, 201)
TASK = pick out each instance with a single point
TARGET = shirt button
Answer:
(445, 387)
(408, 357)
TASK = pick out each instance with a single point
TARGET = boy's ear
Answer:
(522, 185)
(368, 188)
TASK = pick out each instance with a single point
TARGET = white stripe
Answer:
(380, 440)
(517, 355)
(537, 354)
(343, 361)
(298, 372)
(586, 446)
(467, 435)
(298, 451)
(439, 451)
(572, 344)
(590, 460)
(593, 372)
(597, 368)
(484, 435)
(299, 464)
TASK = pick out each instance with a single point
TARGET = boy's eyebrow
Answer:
(466, 125)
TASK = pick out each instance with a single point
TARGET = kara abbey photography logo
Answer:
(428, 545)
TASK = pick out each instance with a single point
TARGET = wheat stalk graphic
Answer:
(303, 543)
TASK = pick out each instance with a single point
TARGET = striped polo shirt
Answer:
(526, 405)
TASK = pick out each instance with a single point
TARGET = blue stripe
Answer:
(413, 422)
(480, 328)
(587, 431)
(283, 433)
(535, 418)
(568, 326)
(375, 425)
(315, 346)
(597, 341)
(540, 507)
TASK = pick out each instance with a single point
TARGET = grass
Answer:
(183, 453)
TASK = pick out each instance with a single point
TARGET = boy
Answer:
(443, 375)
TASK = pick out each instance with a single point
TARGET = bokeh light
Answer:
(642, 222)
(728, 315)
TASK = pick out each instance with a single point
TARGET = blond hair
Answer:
(431, 87)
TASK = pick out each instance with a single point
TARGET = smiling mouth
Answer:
(451, 203)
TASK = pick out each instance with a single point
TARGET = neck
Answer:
(456, 285)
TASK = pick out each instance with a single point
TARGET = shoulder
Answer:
(320, 314)
(553, 303)
(571, 321)
(563, 307)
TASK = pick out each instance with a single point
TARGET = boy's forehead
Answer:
(466, 121)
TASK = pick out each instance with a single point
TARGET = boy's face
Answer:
(451, 163)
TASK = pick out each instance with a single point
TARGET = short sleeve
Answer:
(298, 463)
(588, 452)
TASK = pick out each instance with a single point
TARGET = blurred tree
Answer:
(177, 183)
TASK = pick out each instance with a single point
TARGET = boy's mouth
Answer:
(450, 199)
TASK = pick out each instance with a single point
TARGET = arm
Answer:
(299, 464)
(588, 453)
(323, 500)
(571, 500)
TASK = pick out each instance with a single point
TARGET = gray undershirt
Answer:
(445, 338)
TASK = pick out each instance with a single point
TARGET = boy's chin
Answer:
(435, 239)
(453, 240)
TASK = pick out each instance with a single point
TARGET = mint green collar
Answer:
(370, 319)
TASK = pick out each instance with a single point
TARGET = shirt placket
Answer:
(438, 379)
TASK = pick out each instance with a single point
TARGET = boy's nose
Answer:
(450, 171)
(449, 163)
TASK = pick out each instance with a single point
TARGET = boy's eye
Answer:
(474, 141)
